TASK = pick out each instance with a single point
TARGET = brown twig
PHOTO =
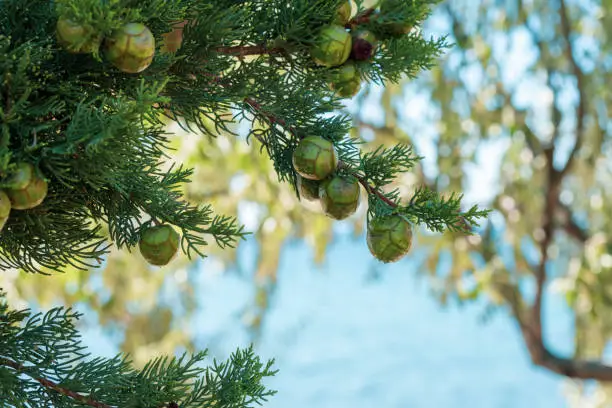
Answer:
(361, 18)
(245, 50)
(273, 119)
(54, 386)
(570, 226)
(369, 188)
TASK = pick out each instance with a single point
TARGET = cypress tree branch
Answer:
(460, 221)
(273, 120)
(245, 50)
(42, 360)
(54, 386)
(369, 189)
(101, 140)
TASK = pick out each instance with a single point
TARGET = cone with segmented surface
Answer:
(347, 89)
(346, 81)
(389, 238)
(345, 73)
(26, 189)
(343, 15)
(332, 47)
(76, 38)
(308, 189)
(339, 196)
(315, 158)
(131, 48)
(159, 244)
(5, 208)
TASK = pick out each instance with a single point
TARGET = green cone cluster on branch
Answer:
(342, 46)
(389, 237)
(338, 46)
(100, 138)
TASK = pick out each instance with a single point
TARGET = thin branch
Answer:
(361, 18)
(368, 187)
(245, 50)
(54, 386)
(581, 108)
(570, 226)
(273, 119)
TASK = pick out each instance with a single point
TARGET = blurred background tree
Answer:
(524, 92)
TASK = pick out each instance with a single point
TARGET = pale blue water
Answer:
(342, 339)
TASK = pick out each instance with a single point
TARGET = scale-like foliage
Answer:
(43, 362)
(98, 134)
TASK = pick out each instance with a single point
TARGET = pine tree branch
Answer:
(54, 386)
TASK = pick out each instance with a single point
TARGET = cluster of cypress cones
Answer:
(315, 160)
(339, 47)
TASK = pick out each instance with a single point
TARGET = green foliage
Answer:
(43, 361)
(98, 135)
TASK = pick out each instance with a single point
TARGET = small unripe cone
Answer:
(315, 158)
(347, 89)
(339, 196)
(131, 48)
(346, 81)
(26, 189)
(333, 46)
(159, 244)
(76, 38)
(345, 73)
(5, 208)
(364, 45)
(343, 15)
(389, 238)
(308, 189)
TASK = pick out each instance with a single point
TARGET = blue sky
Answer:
(342, 339)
